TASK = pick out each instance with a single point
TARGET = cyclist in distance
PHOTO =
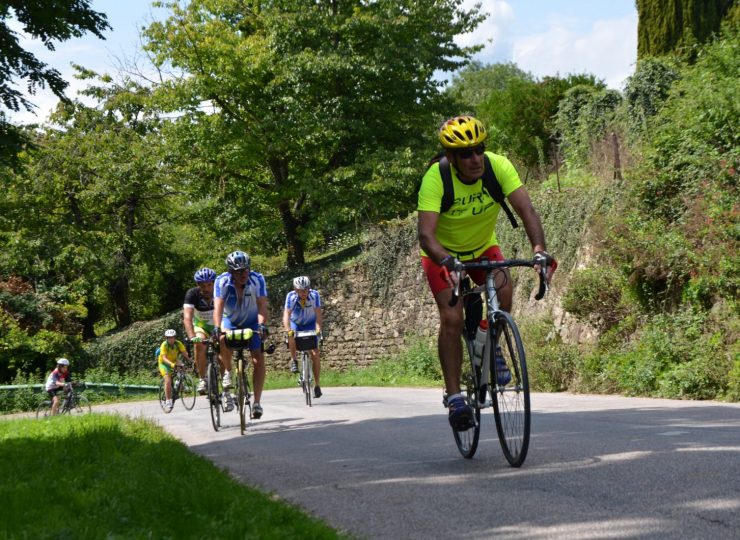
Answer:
(169, 350)
(467, 232)
(303, 312)
(197, 318)
(57, 380)
(240, 301)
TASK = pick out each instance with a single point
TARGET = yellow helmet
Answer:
(462, 132)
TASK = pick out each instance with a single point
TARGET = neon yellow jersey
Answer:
(170, 353)
(468, 228)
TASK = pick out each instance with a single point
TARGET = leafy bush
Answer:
(551, 364)
(647, 89)
(595, 295)
(132, 350)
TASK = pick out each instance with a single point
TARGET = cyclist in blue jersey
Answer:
(240, 301)
(303, 312)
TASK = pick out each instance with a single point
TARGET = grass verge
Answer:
(104, 476)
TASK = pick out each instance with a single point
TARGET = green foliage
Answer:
(109, 479)
(474, 84)
(519, 116)
(48, 21)
(132, 350)
(595, 295)
(386, 249)
(667, 26)
(551, 364)
(678, 355)
(309, 103)
(417, 364)
(646, 91)
(582, 119)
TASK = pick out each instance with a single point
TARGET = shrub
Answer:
(595, 294)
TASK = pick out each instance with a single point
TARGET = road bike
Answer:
(502, 370)
(305, 342)
(239, 341)
(73, 402)
(183, 388)
(215, 392)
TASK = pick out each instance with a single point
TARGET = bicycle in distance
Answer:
(305, 342)
(73, 402)
(498, 364)
(183, 388)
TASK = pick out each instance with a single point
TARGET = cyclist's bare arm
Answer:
(286, 320)
(522, 204)
(426, 230)
(261, 310)
(319, 320)
(187, 321)
(218, 311)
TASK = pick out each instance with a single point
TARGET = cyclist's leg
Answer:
(200, 351)
(316, 362)
(258, 375)
(292, 347)
(54, 395)
(226, 357)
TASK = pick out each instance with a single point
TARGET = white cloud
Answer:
(608, 50)
(499, 14)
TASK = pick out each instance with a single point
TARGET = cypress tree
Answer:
(666, 26)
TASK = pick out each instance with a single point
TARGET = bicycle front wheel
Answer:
(188, 391)
(44, 409)
(80, 405)
(163, 397)
(307, 376)
(467, 441)
(215, 391)
(242, 394)
(509, 386)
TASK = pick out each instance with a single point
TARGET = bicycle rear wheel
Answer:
(467, 441)
(215, 391)
(80, 405)
(163, 397)
(307, 374)
(510, 394)
(188, 391)
(44, 409)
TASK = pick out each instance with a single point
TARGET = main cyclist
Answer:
(303, 312)
(57, 380)
(169, 350)
(467, 232)
(197, 318)
(240, 301)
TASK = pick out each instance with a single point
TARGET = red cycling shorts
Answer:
(434, 272)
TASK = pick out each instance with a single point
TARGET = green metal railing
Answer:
(108, 388)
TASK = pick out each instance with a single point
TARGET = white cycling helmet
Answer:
(170, 333)
(62, 362)
(301, 282)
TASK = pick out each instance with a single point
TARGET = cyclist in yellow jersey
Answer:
(169, 350)
(467, 232)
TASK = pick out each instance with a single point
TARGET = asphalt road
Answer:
(382, 463)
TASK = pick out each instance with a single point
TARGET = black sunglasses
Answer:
(467, 153)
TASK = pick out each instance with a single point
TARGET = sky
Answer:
(543, 37)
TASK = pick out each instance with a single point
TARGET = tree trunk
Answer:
(617, 160)
(93, 316)
(291, 225)
(290, 229)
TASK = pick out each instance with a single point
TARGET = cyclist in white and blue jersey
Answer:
(303, 312)
(240, 301)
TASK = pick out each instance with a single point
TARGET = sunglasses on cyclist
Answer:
(467, 153)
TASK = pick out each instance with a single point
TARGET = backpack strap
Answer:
(490, 182)
(448, 192)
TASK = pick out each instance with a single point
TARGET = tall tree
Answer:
(665, 26)
(47, 20)
(95, 207)
(308, 101)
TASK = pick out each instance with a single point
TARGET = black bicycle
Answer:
(305, 342)
(502, 368)
(239, 341)
(183, 388)
(73, 402)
